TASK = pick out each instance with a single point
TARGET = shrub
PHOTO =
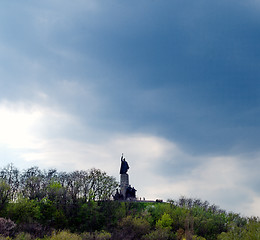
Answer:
(103, 235)
(165, 222)
(248, 232)
(65, 235)
(4, 238)
(194, 237)
(24, 211)
(34, 229)
(6, 227)
(162, 234)
(131, 228)
(23, 236)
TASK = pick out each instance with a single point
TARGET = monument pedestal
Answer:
(124, 183)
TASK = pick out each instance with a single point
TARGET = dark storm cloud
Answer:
(184, 70)
(197, 61)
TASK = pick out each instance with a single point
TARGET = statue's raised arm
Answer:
(124, 166)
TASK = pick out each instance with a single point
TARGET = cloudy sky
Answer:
(174, 85)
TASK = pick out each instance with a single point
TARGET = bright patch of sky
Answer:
(173, 84)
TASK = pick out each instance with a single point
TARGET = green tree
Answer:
(51, 215)
(101, 185)
(250, 231)
(208, 223)
(55, 192)
(5, 194)
(10, 175)
(24, 211)
(32, 183)
(88, 218)
(131, 228)
(165, 222)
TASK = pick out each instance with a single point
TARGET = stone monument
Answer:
(124, 178)
(126, 191)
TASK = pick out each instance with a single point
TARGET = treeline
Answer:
(53, 199)
(63, 187)
(54, 205)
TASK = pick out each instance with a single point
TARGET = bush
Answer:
(165, 222)
(248, 232)
(36, 230)
(131, 228)
(24, 211)
(3, 238)
(65, 235)
(194, 237)
(103, 235)
(6, 227)
(162, 234)
(23, 236)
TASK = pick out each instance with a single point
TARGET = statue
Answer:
(130, 192)
(124, 165)
(118, 196)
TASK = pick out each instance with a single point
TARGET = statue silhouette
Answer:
(124, 166)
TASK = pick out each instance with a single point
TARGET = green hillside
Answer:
(78, 205)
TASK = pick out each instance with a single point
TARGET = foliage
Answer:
(88, 217)
(24, 236)
(24, 211)
(154, 211)
(6, 227)
(165, 222)
(31, 183)
(36, 230)
(250, 231)
(103, 235)
(10, 175)
(60, 187)
(207, 223)
(194, 237)
(102, 186)
(52, 215)
(78, 205)
(162, 234)
(131, 228)
(65, 235)
(4, 194)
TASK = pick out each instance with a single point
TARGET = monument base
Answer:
(124, 183)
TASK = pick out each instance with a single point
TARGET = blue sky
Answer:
(172, 84)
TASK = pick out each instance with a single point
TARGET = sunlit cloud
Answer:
(253, 208)
(220, 180)
(22, 123)
(17, 125)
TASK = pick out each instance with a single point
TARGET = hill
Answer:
(52, 205)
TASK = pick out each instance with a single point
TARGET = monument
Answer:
(126, 191)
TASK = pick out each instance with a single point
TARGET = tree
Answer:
(102, 186)
(32, 183)
(4, 194)
(131, 228)
(10, 175)
(165, 222)
(249, 231)
(24, 211)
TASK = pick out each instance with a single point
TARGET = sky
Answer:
(174, 85)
